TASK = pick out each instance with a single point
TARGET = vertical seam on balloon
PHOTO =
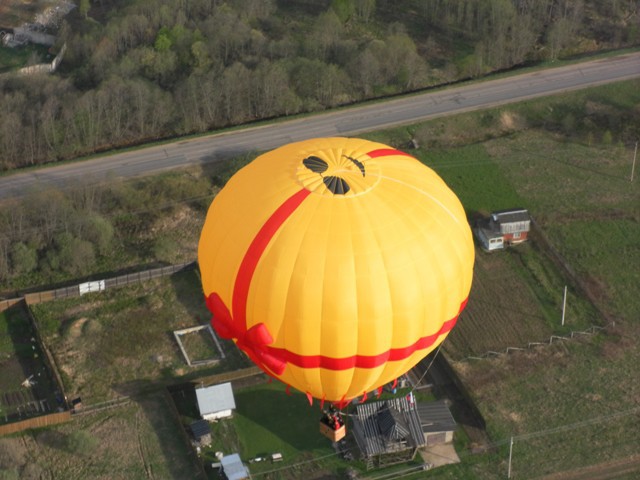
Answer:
(256, 249)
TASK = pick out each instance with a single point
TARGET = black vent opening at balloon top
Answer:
(315, 164)
(336, 185)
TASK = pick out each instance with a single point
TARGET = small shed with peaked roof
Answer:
(201, 432)
(216, 401)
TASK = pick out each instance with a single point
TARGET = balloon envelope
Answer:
(336, 264)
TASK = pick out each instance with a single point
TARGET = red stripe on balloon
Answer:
(255, 251)
(364, 361)
(383, 152)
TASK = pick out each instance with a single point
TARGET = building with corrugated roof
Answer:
(388, 431)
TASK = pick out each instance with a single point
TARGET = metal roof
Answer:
(200, 428)
(233, 467)
(511, 215)
(216, 398)
(436, 417)
(387, 425)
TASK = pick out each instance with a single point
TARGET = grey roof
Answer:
(436, 417)
(387, 425)
(216, 398)
(233, 467)
(391, 423)
(511, 215)
(200, 428)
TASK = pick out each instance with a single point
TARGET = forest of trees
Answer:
(141, 70)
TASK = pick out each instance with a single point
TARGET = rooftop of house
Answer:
(233, 467)
(387, 425)
(215, 398)
(436, 417)
(200, 428)
(510, 215)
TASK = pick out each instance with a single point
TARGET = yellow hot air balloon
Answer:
(336, 264)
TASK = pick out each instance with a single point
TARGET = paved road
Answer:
(344, 122)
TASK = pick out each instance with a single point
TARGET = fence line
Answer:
(35, 422)
(98, 407)
(559, 259)
(573, 334)
(113, 282)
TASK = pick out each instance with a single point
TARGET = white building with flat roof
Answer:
(216, 401)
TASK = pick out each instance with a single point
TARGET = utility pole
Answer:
(564, 304)
(633, 165)
(510, 455)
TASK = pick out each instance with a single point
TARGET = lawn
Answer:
(14, 58)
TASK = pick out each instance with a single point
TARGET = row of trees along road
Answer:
(148, 69)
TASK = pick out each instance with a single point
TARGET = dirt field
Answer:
(140, 440)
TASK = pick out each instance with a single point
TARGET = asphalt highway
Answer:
(341, 122)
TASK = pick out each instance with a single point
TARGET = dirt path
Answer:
(602, 471)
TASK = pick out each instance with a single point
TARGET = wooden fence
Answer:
(35, 422)
(113, 282)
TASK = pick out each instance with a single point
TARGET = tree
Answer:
(364, 9)
(98, 231)
(344, 9)
(70, 255)
(23, 258)
(235, 96)
(324, 35)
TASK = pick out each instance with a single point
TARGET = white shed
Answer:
(216, 401)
